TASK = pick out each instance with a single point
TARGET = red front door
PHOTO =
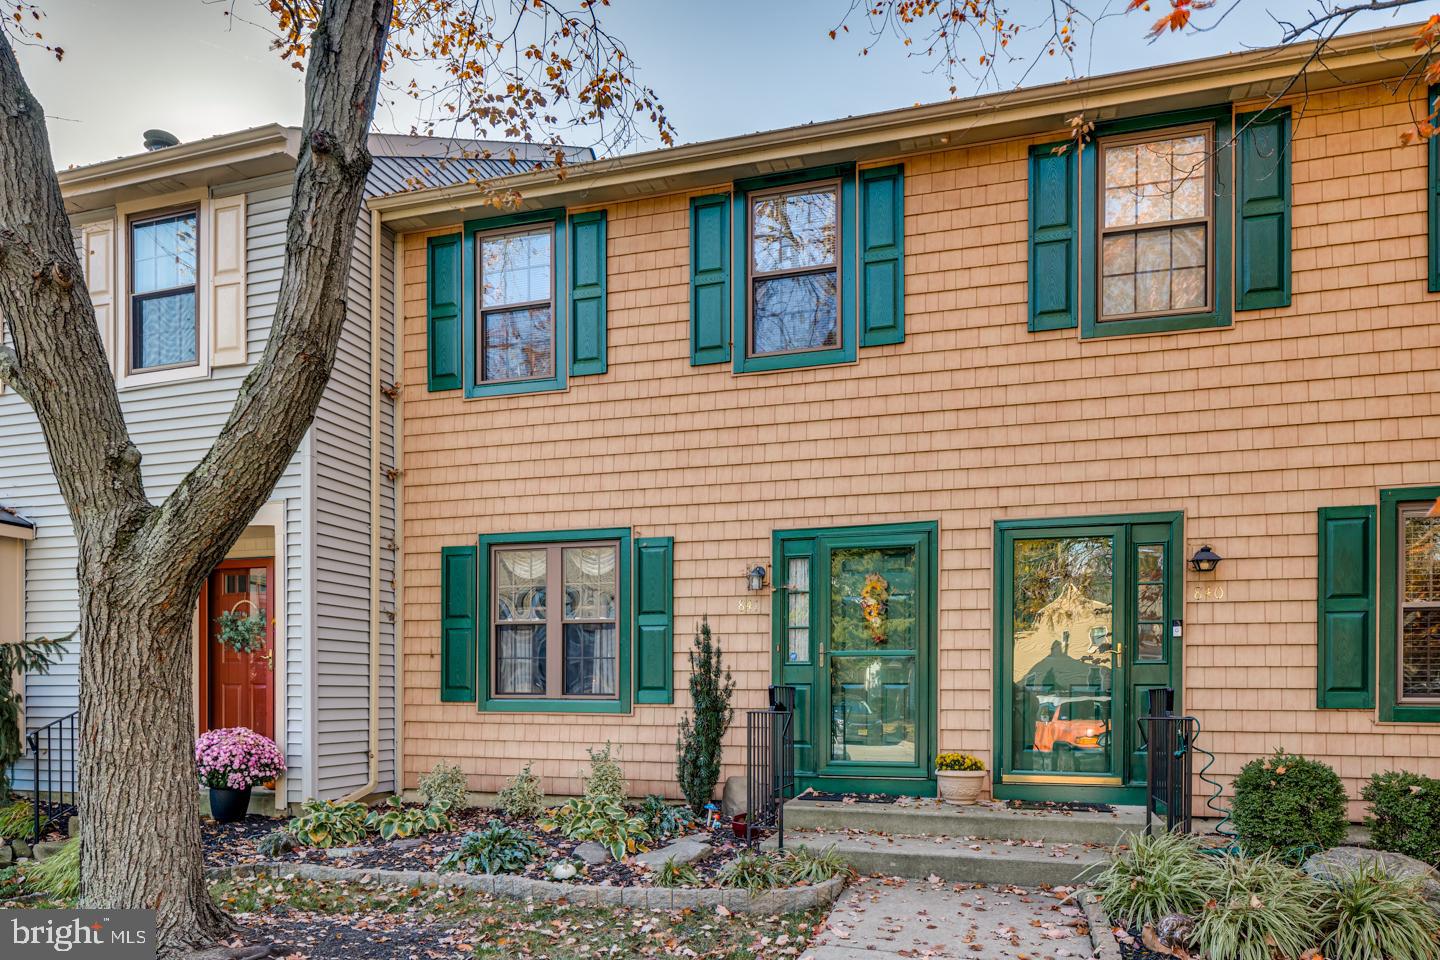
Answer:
(239, 688)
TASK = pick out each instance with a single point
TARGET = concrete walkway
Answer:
(883, 918)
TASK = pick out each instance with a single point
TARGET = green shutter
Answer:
(654, 619)
(587, 293)
(457, 624)
(442, 311)
(1346, 614)
(1434, 194)
(1262, 214)
(1054, 221)
(882, 256)
(709, 279)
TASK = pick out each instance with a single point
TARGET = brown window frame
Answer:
(555, 621)
(548, 231)
(834, 186)
(131, 297)
(1405, 511)
(1153, 136)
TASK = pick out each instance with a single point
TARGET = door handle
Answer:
(269, 658)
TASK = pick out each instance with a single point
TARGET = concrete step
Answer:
(991, 821)
(954, 859)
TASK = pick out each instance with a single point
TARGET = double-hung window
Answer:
(164, 308)
(1156, 232)
(516, 320)
(556, 621)
(794, 249)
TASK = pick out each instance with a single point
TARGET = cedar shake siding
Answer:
(1246, 429)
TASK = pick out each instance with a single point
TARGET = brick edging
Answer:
(1101, 936)
(778, 900)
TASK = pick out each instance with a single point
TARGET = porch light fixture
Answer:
(1205, 559)
(756, 579)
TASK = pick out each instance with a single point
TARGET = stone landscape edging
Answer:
(778, 900)
(1102, 937)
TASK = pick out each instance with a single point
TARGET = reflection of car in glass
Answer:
(852, 721)
(1072, 723)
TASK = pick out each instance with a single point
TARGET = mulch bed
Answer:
(234, 843)
(1133, 949)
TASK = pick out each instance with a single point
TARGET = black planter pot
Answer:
(228, 806)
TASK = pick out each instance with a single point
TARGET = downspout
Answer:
(375, 399)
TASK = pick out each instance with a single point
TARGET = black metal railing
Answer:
(1169, 744)
(769, 765)
(52, 779)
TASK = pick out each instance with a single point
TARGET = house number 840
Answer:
(1208, 591)
(747, 605)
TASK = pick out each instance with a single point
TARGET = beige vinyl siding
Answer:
(972, 420)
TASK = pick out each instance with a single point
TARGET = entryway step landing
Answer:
(954, 859)
(991, 821)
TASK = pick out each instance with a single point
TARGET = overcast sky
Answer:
(721, 68)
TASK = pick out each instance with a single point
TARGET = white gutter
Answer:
(375, 398)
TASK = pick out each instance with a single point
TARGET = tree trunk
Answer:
(142, 566)
(139, 815)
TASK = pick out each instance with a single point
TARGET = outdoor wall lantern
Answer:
(1205, 559)
(756, 578)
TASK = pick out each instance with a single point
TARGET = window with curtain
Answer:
(1419, 613)
(562, 650)
(164, 309)
(515, 339)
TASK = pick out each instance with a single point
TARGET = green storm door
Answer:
(856, 638)
(1086, 612)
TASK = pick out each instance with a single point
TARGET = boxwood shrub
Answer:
(1404, 814)
(1288, 806)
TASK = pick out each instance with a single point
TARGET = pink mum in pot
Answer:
(236, 758)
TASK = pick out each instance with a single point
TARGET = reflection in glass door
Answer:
(1063, 655)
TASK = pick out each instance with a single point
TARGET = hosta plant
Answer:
(674, 874)
(1153, 876)
(329, 823)
(606, 824)
(397, 821)
(1265, 909)
(665, 819)
(498, 848)
(1369, 913)
(752, 872)
(801, 865)
(522, 796)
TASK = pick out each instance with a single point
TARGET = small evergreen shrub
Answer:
(522, 796)
(698, 747)
(16, 660)
(444, 784)
(275, 843)
(498, 848)
(1371, 914)
(1288, 806)
(605, 786)
(1265, 910)
(1155, 876)
(1404, 814)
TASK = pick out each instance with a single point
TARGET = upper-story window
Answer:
(794, 270)
(1419, 605)
(517, 308)
(164, 308)
(1156, 232)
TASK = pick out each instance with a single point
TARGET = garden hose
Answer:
(1212, 802)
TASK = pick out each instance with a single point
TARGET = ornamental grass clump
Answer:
(751, 872)
(236, 758)
(17, 820)
(1154, 876)
(1404, 815)
(59, 873)
(801, 865)
(1289, 807)
(1370, 913)
(1265, 910)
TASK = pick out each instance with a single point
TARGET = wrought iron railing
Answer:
(1169, 745)
(769, 765)
(52, 780)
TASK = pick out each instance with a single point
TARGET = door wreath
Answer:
(241, 632)
(874, 604)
